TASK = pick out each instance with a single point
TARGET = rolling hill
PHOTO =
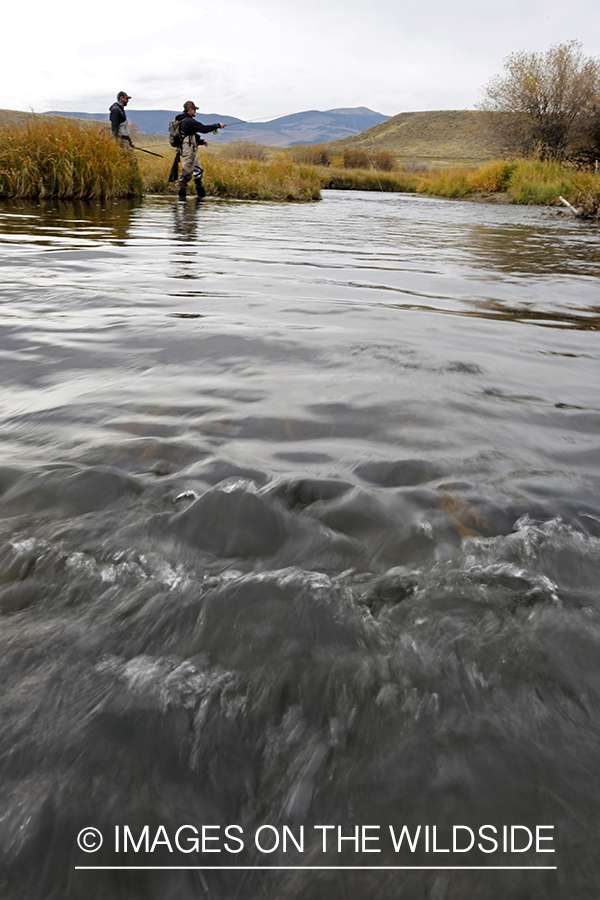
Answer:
(438, 137)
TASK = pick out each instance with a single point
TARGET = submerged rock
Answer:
(402, 473)
(231, 523)
(66, 491)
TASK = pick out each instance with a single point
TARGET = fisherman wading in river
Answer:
(190, 131)
(118, 122)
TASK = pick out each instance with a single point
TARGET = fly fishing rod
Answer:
(141, 149)
(253, 121)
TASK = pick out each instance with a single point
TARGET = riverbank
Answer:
(299, 173)
(80, 161)
(526, 181)
(277, 177)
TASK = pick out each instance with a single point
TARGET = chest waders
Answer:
(191, 167)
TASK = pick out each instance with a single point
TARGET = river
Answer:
(300, 547)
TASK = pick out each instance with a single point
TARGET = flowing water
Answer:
(300, 527)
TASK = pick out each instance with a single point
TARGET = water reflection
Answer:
(186, 217)
(76, 222)
(544, 248)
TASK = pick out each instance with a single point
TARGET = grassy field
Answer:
(441, 154)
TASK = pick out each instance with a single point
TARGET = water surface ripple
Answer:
(300, 526)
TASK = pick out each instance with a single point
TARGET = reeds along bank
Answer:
(52, 157)
(275, 177)
(56, 158)
(527, 181)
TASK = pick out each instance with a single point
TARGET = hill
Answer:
(435, 137)
(9, 117)
(309, 127)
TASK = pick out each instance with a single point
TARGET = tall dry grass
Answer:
(64, 159)
(526, 181)
(541, 182)
(245, 150)
(277, 177)
(380, 160)
(311, 154)
(341, 179)
(51, 158)
(346, 158)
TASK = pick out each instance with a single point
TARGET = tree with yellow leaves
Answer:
(545, 103)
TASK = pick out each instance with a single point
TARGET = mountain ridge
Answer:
(306, 127)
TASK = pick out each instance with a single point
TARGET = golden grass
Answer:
(299, 173)
(245, 150)
(524, 181)
(69, 159)
(343, 179)
(343, 157)
(277, 177)
(58, 158)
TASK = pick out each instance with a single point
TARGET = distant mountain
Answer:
(149, 121)
(310, 127)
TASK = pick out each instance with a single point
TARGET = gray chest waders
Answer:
(188, 171)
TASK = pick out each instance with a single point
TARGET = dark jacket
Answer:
(189, 125)
(117, 118)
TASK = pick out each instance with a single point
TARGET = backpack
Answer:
(175, 138)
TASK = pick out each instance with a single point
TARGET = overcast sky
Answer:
(266, 58)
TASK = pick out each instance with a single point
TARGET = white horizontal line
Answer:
(320, 868)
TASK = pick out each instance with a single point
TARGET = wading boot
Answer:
(182, 194)
(200, 192)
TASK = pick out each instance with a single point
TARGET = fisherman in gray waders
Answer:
(190, 131)
(119, 124)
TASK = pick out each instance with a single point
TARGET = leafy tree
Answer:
(547, 103)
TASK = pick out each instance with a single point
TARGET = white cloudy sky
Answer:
(266, 58)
